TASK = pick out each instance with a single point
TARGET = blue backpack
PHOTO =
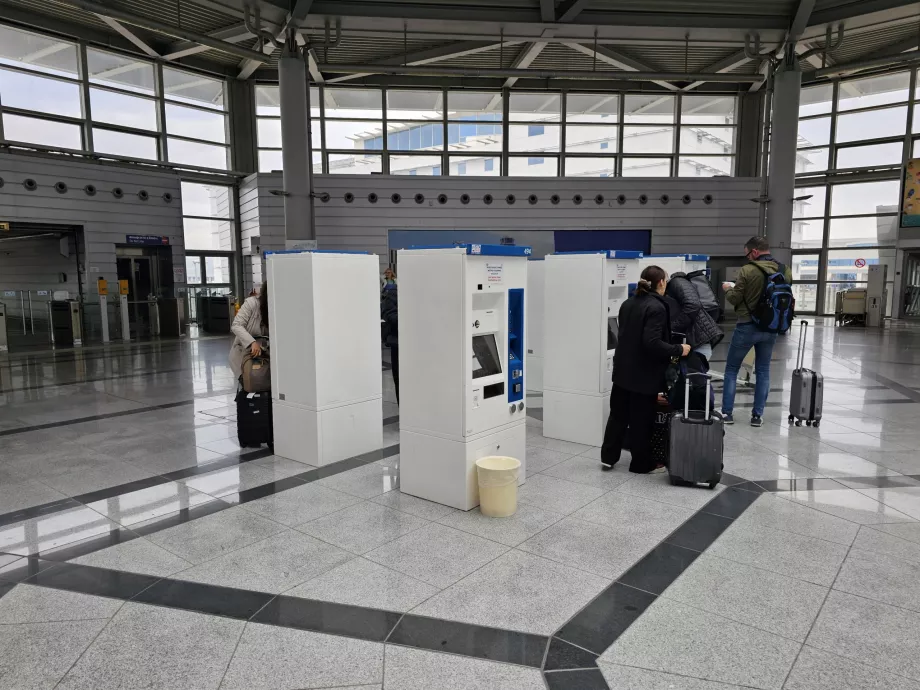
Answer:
(775, 311)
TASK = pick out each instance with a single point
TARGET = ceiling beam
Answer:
(617, 59)
(231, 34)
(427, 56)
(548, 10)
(800, 20)
(726, 64)
(569, 9)
(127, 33)
(528, 54)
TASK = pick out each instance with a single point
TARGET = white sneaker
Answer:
(659, 470)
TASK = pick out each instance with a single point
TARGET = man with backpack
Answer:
(763, 301)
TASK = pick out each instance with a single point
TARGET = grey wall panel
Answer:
(718, 228)
(105, 219)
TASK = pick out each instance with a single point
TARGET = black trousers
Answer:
(394, 364)
(636, 412)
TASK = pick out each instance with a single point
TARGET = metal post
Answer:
(125, 321)
(294, 97)
(104, 311)
(787, 87)
(31, 318)
(22, 311)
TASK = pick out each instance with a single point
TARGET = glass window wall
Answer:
(360, 130)
(133, 109)
(853, 132)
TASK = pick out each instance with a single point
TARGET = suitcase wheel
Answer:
(791, 418)
(713, 484)
(798, 422)
(675, 481)
(807, 422)
(815, 424)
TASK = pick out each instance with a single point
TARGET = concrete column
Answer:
(294, 95)
(787, 88)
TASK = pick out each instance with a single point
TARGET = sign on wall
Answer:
(147, 240)
(910, 204)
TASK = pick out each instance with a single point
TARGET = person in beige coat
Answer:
(250, 323)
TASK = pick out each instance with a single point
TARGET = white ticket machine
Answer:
(584, 292)
(675, 263)
(327, 390)
(462, 363)
(535, 276)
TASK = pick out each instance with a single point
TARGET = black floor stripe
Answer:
(96, 418)
(114, 377)
(568, 658)
(599, 624)
(584, 679)
(480, 642)
(124, 534)
(121, 489)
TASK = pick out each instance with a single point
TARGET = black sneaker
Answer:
(756, 421)
(727, 418)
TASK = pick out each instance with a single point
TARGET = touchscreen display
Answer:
(485, 356)
(613, 332)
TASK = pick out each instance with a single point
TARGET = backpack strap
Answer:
(766, 275)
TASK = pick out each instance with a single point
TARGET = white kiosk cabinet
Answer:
(535, 277)
(675, 263)
(461, 365)
(327, 392)
(584, 292)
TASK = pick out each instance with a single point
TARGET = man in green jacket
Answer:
(743, 295)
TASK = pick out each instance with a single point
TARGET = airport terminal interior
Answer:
(426, 216)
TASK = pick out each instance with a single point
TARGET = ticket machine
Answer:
(462, 366)
(674, 263)
(535, 278)
(327, 389)
(584, 292)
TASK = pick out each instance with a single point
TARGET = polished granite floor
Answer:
(140, 547)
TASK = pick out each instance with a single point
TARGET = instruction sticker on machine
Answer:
(620, 272)
(495, 273)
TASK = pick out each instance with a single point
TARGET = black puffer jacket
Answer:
(692, 319)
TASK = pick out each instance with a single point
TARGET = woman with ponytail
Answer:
(643, 353)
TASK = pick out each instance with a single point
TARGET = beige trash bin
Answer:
(498, 484)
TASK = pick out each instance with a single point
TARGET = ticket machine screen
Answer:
(613, 333)
(486, 361)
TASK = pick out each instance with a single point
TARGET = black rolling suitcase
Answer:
(696, 445)
(807, 391)
(254, 419)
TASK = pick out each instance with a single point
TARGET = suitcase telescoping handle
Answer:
(708, 378)
(800, 352)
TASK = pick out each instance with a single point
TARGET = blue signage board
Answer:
(147, 240)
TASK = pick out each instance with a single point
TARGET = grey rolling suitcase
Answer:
(696, 442)
(807, 397)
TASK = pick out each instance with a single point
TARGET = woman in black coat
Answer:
(643, 353)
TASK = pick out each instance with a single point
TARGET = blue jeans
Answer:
(746, 336)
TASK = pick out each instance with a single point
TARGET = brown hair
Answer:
(649, 280)
(263, 305)
(758, 243)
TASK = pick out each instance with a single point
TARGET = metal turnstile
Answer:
(66, 324)
(215, 313)
(4, 342)
(171, 317)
